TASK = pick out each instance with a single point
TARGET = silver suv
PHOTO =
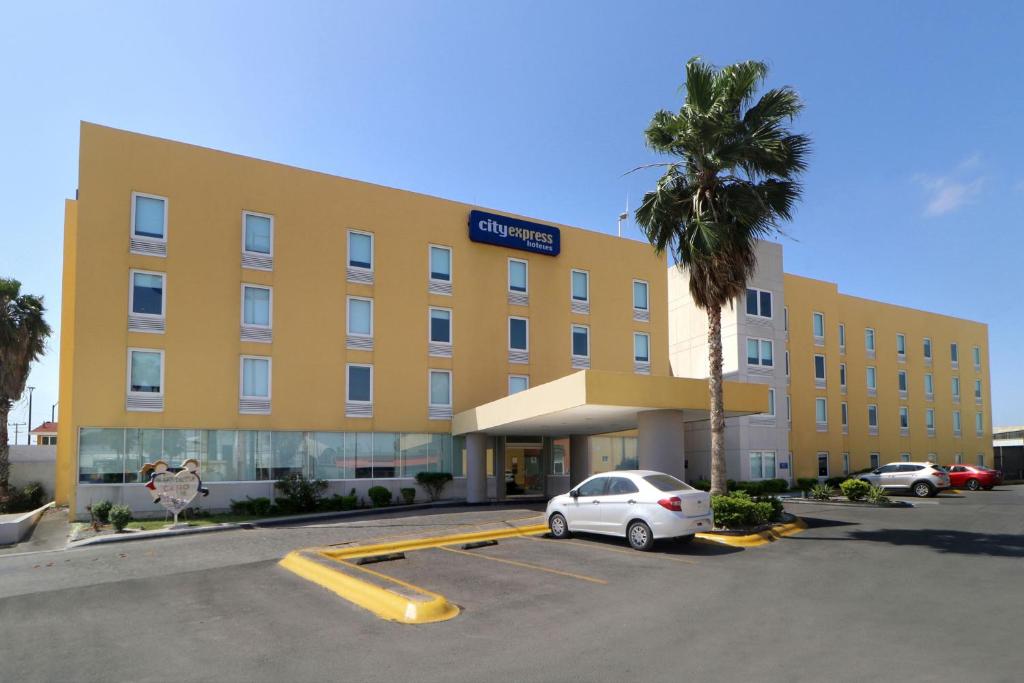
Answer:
(923, 479)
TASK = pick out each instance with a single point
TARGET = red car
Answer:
(973, 477)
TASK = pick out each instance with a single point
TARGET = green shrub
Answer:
(702, 485)
(761, 513)
(433, 482)
(338, 503)
(754, 488)
(258, 507)
(380, 496)
(834, 482)
(806, 483)
(855, 489)
(25, 499)
(876, 495)
(821, 492)
(299, 494)
(737, 510)
(730, 484)
(120, 515)
(101, 510)
(776, 505)
(408, 495)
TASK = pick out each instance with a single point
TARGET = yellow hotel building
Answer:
(269, 320)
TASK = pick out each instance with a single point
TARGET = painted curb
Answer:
(409, 545)
(759, 538)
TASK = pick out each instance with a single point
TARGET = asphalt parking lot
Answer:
(922, 593)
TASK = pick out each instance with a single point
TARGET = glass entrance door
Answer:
(524, 470)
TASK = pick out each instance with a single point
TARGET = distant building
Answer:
(45, 434)
(1008, 444)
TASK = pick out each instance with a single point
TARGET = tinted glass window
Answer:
(257, 234)
(517, 334)
(360, 250)
(594, 487)
(666, 482)
(440, 326)
(147, 293)
(887, 468)
(911, 468)
(766, 304)
(751, 302)
(620, 485)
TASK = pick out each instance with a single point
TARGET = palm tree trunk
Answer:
(5, 465)
(717, 406)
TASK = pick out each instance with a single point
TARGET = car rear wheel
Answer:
(559, 527)
(640, 536)
(973, 484)
(922, 489)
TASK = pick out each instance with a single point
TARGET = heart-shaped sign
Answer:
(175, 491)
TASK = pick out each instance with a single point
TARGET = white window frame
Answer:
(874, 343)
(572, 334)
(348, 399)
(874, 460)
(635, 335)
(901, 354)
(977, 390)
(906, 381)
(131, 294)
(785, 318)
(955, 387)
(929, 419)
(241, 377)
(430, 327)
(954, 349)
(842, 336)
(979, 423)
(828, 465)
(522, 377)
(508, 333)
(759, 364)
(771, 402)
(958, 425)
(270, 305)
(873, 407)
(842, 375)
(430, 388)
(904, 412)
(844, 414)
(572, 297)
(761, 456)
(824, 368)
(824, 401)
(128, 376)
(789, 408)
(646, 285)
(818, 337)
(929, 392)
(258, 215)
(927, 350)
(771, 298)
(348, 317)
(150, 238)
(846, 463)
(451, 263)
(976, 357)
(868, 372)
(373, 250)
(508, 283)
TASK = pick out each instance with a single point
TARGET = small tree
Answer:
(433, 482)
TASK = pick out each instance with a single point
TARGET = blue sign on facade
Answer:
(514, 233)
(783, 465)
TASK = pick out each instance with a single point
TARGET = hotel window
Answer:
(762, 464)
(873, 418)
(901, 346)
(149, 224)
(869, 342)
(873, 459)
(979, 423)
(821, 412)
(901, 383)
(904, 418)
(360, 257)
(954, 354)
(641, 353)
(580, 280)
(759, 303)
(358, 390)
(759, 352)
(929, 421)
(927, 349)
(440, 281)
(518, 282)
(147, 296)
(257, 313)
(956, 423)
(580, 346)
(254, 387)
(846, 463)
(440, 406)
(980, 460)
(518, 337)
(872, 380)
(977, 391)
(145, 380)
(787, 363)
(958, 459)
(904, 457)
(257, 241)
(517, 383)
(844, 415)
(789, 408)
(771, 402)
(818, 320)
(439, 332)
(359, 330)
(842, 337)
(641, 305)
(976, 353)
(822, 465)
(842, 376)
(929, 386)
(785, 318)
(819, 370)
(955, 386)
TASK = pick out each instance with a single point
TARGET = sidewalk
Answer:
(51, 533)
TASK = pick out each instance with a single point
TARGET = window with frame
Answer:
(785, 318)
(904, 457)
(955, 386)
(360, 250)
(771, 402)
(873, 460)
(929, 418)
(872, 377)
(255, 377)
(360, 317)
(359, 383)
(842, 374)
(927, 348)
(640, 293)
(904, 417)
(956, 421)
(257, 233)
(977, 389)
(580, 340)
(929, 384)
(789, 408)
(846, 463)
(821, 410)
(256, 306)
(954, 353)
(901, 345)
(842, 336)
(518, 276)
(979, 423)
(818, 323)
(980, 461)
(844, 414)
(440, 325)
(441, 388)
(759, 303)
(518, 334)
(872, 415)
(148, 293)
(149, 216)
(517, 383)
(440, 263)
(580, 285)
(869, 339)
(641, 347)
(762, 464)
(901, 380)
(759, 352)
(145, 371)
(787, 363)
(976, 353)
(819, 367)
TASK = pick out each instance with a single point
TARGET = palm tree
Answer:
(732, 182)
(23, 333)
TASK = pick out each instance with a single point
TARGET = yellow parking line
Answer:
(527, 565)
(411, 534)
(611, 550)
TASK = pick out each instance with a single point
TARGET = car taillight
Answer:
(674, 504)
(940, 475)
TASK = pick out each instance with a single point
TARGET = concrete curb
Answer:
(763, 537)
(16, 530)
(844, 504)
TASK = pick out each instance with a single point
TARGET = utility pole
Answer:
(28, 430)
(16, 426)
(52, 413)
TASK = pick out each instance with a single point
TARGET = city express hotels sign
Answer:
(513, 233)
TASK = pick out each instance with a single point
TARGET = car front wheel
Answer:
(559, 527)
(973, 484)
(640, 536)
(922, 489)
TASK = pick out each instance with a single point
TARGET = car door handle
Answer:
(631, 502)
(597, 502)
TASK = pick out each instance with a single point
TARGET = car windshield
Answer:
(665, 482)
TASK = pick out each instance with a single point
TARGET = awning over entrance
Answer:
(597, 402)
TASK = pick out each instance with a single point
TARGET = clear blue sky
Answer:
(914, 194)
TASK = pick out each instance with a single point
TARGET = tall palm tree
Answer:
(732, 182)
(23, 333)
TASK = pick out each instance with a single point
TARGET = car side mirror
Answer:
(574, 493)
(877, 472)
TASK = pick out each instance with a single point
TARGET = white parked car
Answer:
(923, 479)
(641, 505)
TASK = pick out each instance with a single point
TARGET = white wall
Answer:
(34, 463)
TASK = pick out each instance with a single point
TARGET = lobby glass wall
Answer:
(114, 456)
(613, 453)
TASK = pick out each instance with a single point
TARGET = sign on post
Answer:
(174, 487)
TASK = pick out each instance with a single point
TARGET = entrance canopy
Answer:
(597, 402)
